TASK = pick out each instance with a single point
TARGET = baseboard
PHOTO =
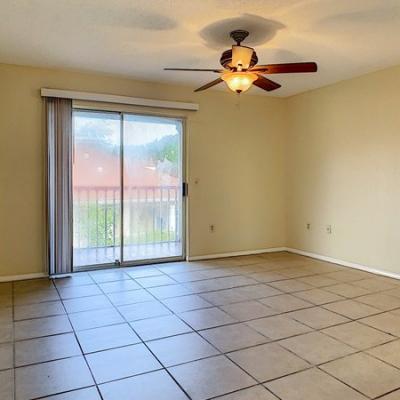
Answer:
(37, 275)
(344, 263)
(236, 253)
(23, 277)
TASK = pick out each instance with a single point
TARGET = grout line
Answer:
(159, 361)
(82, 353)
(219, 307)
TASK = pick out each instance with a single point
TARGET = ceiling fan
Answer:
(241, 69)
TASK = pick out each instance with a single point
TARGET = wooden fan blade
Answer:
(193, 69)
(266, 84)
(286, 68)
(209, 84)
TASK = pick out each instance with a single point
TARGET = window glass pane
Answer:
(96, 188)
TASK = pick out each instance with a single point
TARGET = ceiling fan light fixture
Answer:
(239, 82)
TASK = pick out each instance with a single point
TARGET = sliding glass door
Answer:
(96, 183)
(128, 205)
(152, 191)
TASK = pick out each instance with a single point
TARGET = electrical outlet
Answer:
(308, 226)
(212, 228)
(329, 229)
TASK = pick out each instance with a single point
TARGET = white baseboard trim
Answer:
(344, 263)
(236, 253)
(10, 278)
(23, 277)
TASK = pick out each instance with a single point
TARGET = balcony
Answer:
(151, 224)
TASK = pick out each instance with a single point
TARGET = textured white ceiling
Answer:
(137, 38)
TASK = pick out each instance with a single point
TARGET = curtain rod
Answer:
(111, 98)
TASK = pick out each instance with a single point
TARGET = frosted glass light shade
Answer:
(239, 82)
(241, 56)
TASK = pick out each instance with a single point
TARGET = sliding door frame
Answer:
(90, 267)
(184, 195)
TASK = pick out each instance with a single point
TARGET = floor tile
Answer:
(220, 283)
(6, 301)
(87, 303)
(318, 280)
(233, 337)
(266, 277)
(154, 281)
(6, 332)
(6, 315)
(33, 328)
(6, 288)
(119, 286)
(392, 396)
(278, 327)
(224, 297)
(352, 309)
(6, 356)
(248, 310)
(107, 337)
(312, 384)
(32, 285)
(38, 310)
(189, 276)
(379, 300)
(387, 322)
(317, 317)
(253, 292)
(186, 303)
(121, 363)
(36, 296)
(160, 327)
(253, 393)
(393, 292)
(130, 297)
(71, 292)
(210, 377)
(388, 352)
(268, 361)
(376, 284)
(294, 272)
(44, 349)
(141, 272)
(206, 318)
(7, 385)
(53, 377)
(77, 279)
(365, 374)
(358, 335)
(347, 290)
(316, 348)
(90, 393)
(149, 309)
(151, 386)
(318, 296)
(290, 286)
(165, 292)
(95, 319)
(109, 276)
(180, 349)
(347, 275)
(285, 303)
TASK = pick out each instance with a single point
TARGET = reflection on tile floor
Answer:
(261, 327)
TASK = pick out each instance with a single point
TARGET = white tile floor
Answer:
(265, 327)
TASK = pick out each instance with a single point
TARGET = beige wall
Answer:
(343, 169)
(236, 153)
